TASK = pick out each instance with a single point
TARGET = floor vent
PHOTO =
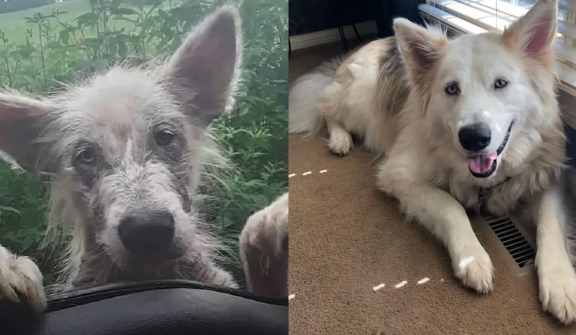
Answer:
(512, 240)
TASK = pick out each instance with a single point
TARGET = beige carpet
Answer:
(346, 238)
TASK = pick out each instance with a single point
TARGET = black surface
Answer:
(18, 318)
(308, 16)
(387, 10)
(152, 308)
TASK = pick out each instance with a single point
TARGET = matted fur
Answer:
(401, 108)
(64, 216)
(98, 142)
(264, 249)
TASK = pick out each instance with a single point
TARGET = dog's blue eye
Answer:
(451, 89)
(500, 83)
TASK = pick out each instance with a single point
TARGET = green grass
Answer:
(14, 23)
(15, 26)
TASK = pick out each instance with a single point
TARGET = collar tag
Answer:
(482, 194)
(482, 200)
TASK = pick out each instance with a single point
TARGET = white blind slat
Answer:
(568, 5)
(566, 52)
(451, 19)
(567, 74)
(496, 14)
(479, 17)
(567, 28)
(504, 10)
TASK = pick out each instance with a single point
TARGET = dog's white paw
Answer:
(20, 277)
(267, 230)
(340, 142)
(476, 271)
(264, 249)
(558, 292)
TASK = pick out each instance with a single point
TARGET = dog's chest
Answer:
(497, 199)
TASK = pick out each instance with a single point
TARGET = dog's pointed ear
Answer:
(203, 72)
(420, 47)
(22, 120)
(535, 33)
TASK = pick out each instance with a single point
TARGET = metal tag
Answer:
(482, 200)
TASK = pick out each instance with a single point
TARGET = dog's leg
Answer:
(446, 218)
(332, 109)
(212, 274)
(340, 141)
(21, 278)
(556, 275)
(264, 249)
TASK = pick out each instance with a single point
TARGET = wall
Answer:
(308, 16)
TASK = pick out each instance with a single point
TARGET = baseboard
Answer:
(331, 35)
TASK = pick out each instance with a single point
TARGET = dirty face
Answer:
(131, 155)
(128, 144)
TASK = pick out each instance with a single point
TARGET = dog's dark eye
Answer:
(452, 89)
(86, 155)
(500, 83)
(164, 137)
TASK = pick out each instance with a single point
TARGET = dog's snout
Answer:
(147, 232)
(475, 137)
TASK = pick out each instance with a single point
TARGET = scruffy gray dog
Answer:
(124, 151)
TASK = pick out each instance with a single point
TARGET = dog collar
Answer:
(482, 193)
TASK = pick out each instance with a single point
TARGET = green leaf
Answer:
(115, 3)
(122, 48)
(113, 48)
(64, 36)
(124, 11)
(88, 19)
(162, 13)
(92, 42)
(9, 209)
(127, 19)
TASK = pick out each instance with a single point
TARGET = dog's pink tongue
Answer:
(480, 164)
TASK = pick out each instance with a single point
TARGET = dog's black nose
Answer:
(475, 137)
(147, 232)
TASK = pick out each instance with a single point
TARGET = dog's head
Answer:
(126, 145)
(486, 88)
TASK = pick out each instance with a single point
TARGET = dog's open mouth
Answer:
(484, 165)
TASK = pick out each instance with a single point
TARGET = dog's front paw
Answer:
(21, 279)
(558, 292)
(476, 271)
(264, 248)
(340, 142)
(267, 230)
